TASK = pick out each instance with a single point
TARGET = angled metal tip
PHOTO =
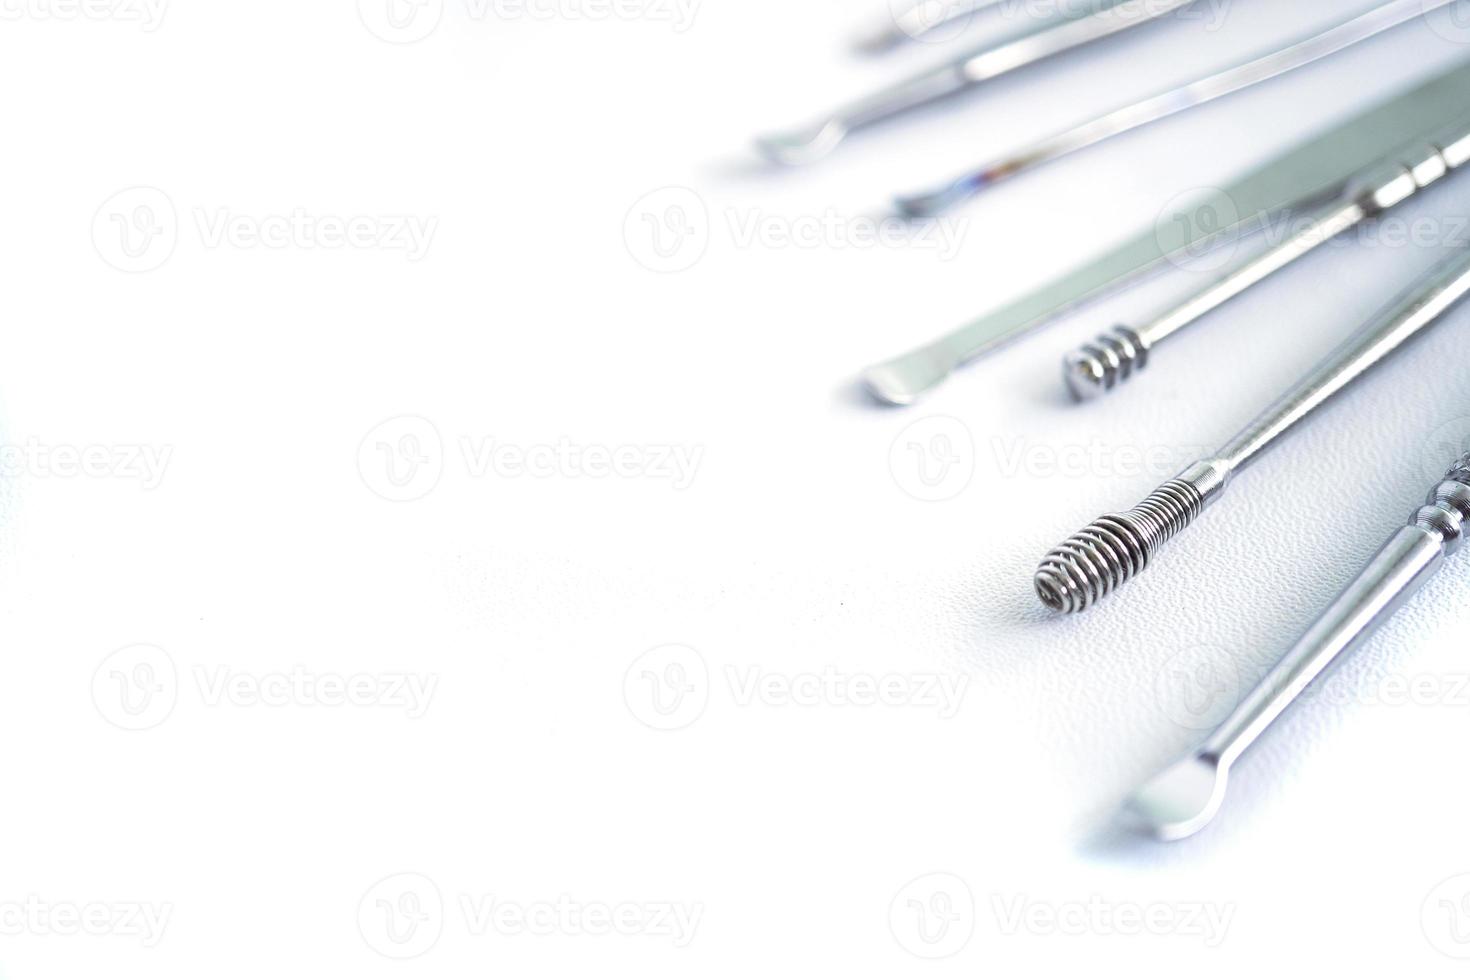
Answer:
(930, 203)
(800, 146)
(903, 380)
(1180, 801)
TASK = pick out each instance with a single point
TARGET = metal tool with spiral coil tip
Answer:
(1300, 180)
(1184, 798)
(1099, 367)
(1113, 549)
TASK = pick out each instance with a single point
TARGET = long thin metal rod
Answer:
(1184, 798)
(991, 61)
(1299, 54)
(1116, 356)
(917, 20)
(1315, 171)
(1100, 558)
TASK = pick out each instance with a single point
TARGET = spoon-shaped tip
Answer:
(1180, 801)
(903, 380)
(928, 204)
(803, 145)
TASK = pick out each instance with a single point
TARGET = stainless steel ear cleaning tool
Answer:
(1046, 41)
(1113, 549)
(1097, 368)
(1184, 798)
(1299, 54)
(1304, 178)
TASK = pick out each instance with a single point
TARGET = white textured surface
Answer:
(795, 549)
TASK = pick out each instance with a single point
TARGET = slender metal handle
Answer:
(1297, 55)
(1112, 550)
(1185, 797)
(1048, 40)
(1313, 173)
(1113, 358)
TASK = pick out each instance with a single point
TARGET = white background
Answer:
(207, 773)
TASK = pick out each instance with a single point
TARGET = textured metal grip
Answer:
(1449, 507)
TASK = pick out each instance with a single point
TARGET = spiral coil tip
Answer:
(1100, 558)
(1095, 369)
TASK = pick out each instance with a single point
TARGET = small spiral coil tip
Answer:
(1095, 561)
(1097, 368)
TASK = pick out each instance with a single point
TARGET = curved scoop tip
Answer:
(802, 146)
(1180, 801)
(929, 204)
